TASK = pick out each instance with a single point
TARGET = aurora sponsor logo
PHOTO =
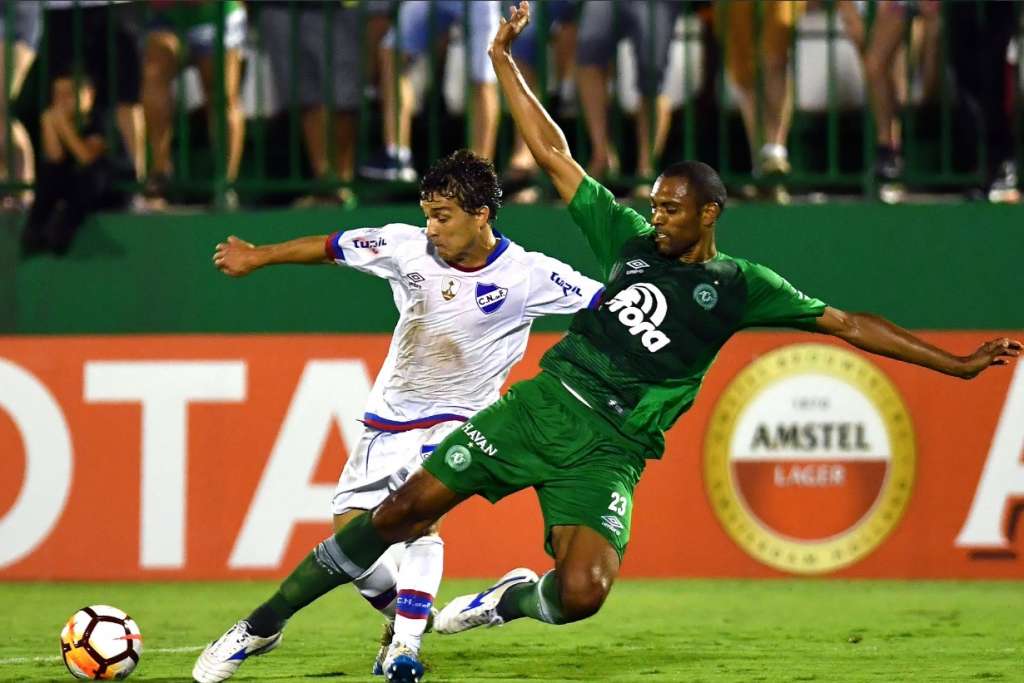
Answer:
(641, 307)
(809, 458)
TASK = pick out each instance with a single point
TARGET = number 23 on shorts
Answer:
(619, 503)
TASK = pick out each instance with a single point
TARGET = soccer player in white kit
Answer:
(467, 296)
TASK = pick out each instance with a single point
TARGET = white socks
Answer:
(377, 584)
(419, 577)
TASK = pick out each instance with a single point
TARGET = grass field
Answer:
(648, 631)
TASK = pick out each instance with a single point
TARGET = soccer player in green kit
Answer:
(579, 433)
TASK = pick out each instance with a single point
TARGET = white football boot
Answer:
(402, 664)
(388, 636)
(469, 611)
(221, 658)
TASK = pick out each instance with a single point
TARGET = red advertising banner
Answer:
(211, 457)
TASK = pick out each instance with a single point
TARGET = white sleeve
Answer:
(556, 288)
(372, 250)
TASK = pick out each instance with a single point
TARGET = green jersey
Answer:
(639, 358)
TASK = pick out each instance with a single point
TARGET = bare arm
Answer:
(237, 257)
(52, 149)
(877, 335)
(85, 150)
(541, 134)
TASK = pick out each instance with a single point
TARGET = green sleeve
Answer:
(605, 223)
(773, 302)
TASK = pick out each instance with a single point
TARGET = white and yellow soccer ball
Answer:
(100, 643)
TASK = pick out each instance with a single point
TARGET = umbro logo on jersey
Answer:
(450, 288)
(567, 288)
(636, 266)
(642, 308)
(613, 524)
(415, 280)
(490, 297)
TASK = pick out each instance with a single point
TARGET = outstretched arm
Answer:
(877, 335)
(541, 134)
(237, 257)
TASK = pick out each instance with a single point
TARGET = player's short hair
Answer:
(467, 179)
(704, 180)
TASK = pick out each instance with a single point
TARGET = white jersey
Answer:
(459, 331)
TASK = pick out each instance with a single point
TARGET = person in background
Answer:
(746, 48)
(76, 175)
(412, 38)
(197, 23)
(308, 77)
(19, 25)
(96, 56)
(649, 27)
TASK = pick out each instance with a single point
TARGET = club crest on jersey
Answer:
(706, 296)
(449, 288)
(490, 297)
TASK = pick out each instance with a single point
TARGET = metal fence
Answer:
(831, 144)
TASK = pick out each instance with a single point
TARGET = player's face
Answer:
(451, 230)
(675, 216)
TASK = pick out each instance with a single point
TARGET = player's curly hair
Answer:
(704, 180)
(465, 178)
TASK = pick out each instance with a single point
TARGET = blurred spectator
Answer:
(94, 18)
(76, 177)
(412, 38)
(560, 19)
(980, 33)
(648, 26)
(748, 50)
(19, 26)
(195, 22)
(885, 68)
(308, 77)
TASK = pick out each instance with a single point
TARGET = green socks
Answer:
(538, 601)
(336, 560)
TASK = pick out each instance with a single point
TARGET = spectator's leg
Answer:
(131, 123)
(314, 121)
(596, 42)
(345, 126)
(483, 24)
(159, 67)
(22, 157)
(650, 27)
(234, 113)
(886, 38)
(779, 22)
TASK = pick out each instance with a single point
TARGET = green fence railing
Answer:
(831, 145)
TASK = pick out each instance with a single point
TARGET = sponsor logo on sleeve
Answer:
(478, 439)
(567, 287)
(490, 297)
(371, 244)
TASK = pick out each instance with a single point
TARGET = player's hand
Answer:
(236, 257)
(995, 352)
(509, 29)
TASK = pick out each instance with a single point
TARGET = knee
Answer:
(582, 594)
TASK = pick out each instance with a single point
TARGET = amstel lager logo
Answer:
(809, 458)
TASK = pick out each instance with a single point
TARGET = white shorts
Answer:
(381, 462)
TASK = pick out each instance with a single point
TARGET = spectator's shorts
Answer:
(97, 54)
(312, 71)
(199, 33)
(25, 25)
(648, 26)
(414, 25)
(555, 12)
(778, 19)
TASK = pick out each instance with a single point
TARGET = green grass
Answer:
(648, 631)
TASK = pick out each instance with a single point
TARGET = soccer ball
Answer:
(100, 642)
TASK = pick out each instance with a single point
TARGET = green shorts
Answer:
(540, 435)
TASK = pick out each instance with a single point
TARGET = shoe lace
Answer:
(229, 643)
